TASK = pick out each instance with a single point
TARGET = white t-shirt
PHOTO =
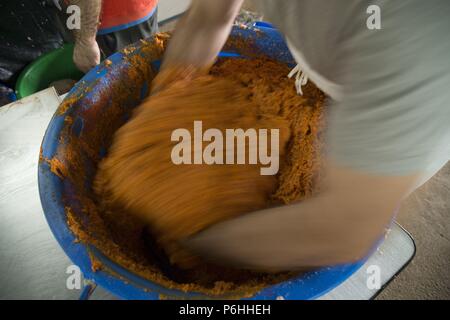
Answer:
(390, 112)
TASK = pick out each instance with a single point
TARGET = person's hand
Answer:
(199, 36)
(86, 54)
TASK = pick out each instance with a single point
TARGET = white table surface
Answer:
(33, 266)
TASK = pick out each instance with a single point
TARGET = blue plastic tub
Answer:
(86, 102)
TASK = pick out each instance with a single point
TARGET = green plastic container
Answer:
(52, 66)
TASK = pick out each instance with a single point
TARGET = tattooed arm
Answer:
(86, 54)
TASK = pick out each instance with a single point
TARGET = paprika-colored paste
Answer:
(139, 232)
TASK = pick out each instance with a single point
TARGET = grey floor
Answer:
(426, 215)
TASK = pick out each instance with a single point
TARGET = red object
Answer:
(121, 14)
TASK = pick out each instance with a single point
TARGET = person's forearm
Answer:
(201, 33)
(303, 235)
(90, 15)
(86, 53)
(340, 225)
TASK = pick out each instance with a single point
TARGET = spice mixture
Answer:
(124, 237)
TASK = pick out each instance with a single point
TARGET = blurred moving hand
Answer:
(198, 38)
